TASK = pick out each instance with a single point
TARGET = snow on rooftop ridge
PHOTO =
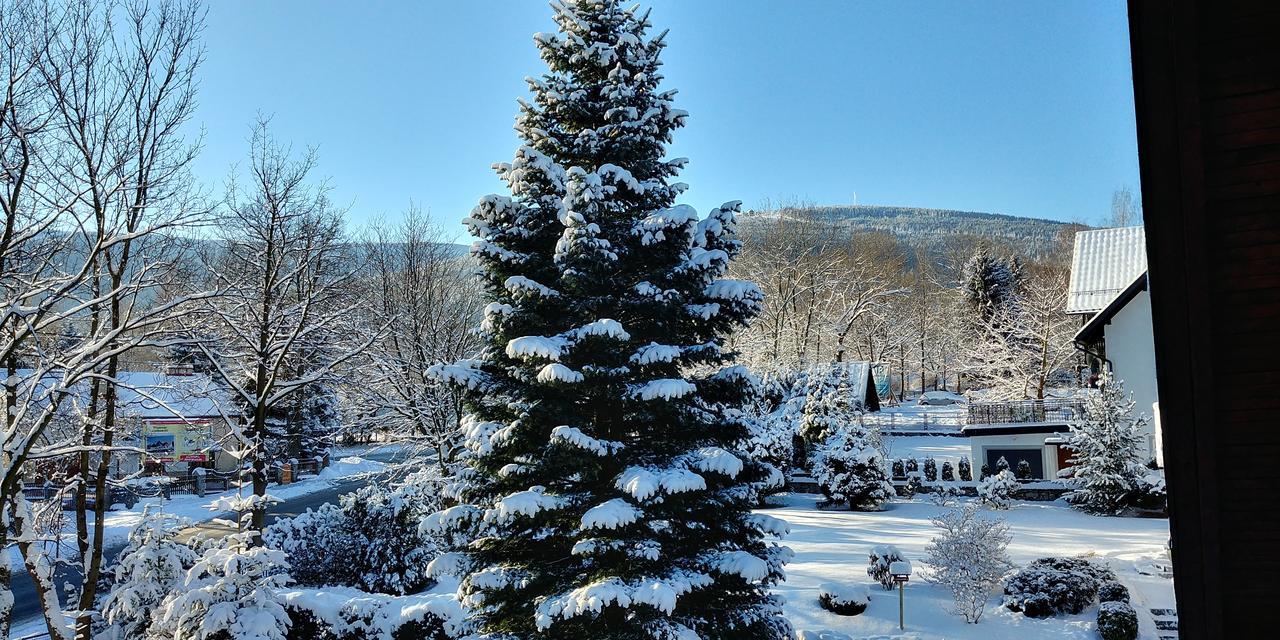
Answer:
(1103, 263)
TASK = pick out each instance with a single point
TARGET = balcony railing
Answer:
(1052, 410)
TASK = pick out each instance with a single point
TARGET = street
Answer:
(26, 605)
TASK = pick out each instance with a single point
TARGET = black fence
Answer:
(196, 482)
(1053, 410)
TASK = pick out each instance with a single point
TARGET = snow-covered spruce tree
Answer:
(149, 568)
(998, 490)
(827, 408)
(1109, 449)
(776, 414)
(849, 467)
(969, 558)
(603, 481)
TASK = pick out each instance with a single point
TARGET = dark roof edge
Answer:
(1093, 328)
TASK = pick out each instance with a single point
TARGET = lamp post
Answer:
(901, 572)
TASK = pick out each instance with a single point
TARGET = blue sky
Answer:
(1019, 107)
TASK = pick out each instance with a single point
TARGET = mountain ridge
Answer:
(929, 228)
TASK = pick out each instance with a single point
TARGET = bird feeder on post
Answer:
(901, 572)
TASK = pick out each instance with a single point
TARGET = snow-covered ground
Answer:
(916, 418)
(832, 546)
(920, 447)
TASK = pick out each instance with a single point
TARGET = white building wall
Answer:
(1131, 349)
(1029, 441)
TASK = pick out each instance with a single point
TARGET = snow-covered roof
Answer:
(1104, 263)
(154, 395)
(159, 395)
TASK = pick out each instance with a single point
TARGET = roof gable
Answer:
(1103, 263)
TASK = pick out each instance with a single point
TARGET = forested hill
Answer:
(937, 230)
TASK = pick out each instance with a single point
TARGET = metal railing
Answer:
(1050, 410)
(891, 421)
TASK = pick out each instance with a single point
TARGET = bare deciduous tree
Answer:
(283, 310)
(94, 181)
(421, 290)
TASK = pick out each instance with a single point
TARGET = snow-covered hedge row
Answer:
(930, 470)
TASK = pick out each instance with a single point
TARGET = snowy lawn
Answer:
(832, 547)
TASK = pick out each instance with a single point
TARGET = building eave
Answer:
(1093, 329)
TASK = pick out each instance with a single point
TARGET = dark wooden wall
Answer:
(1207, 88)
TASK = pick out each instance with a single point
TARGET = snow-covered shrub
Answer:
(968, 558)
(1023, 470)
(965, 469)
(913, 485)
(997, 491)
(343, 613)
(878, 561)
(1050, 586)
(1113, 592)
(899, 469)
(1150, 494)
(318, 544)
(849, 468)
(1109, 448)
(943, 494)
(1117, 621)
(930, 469)
(985, 472)
(231, 592)
(1002, 464)
(845, 600)
(913, 466)
(948, 472)
(773, 421)
(150, 566)
(371, 541)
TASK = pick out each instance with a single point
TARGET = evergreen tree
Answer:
(989, 282)
(850, 467)
(828, 407)
(149, 568)
(1109, 448)
(608, 495)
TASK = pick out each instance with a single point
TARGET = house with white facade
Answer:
(1109, 293)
